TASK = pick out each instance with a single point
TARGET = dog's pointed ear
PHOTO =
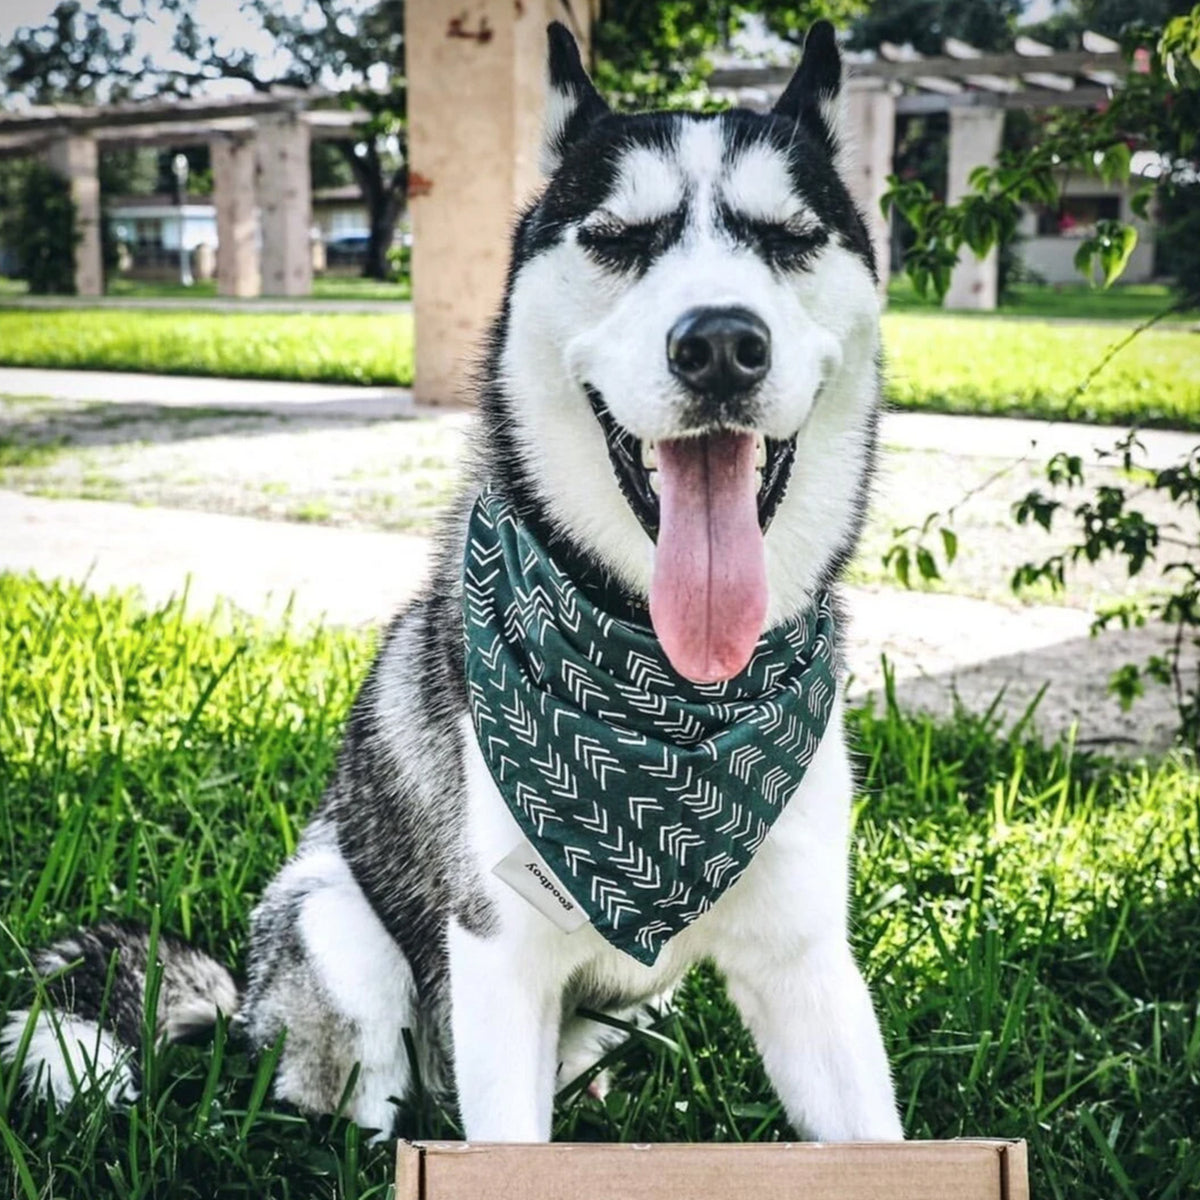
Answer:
(813, 97)
(572, 103)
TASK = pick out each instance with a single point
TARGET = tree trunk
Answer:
(384, 199)
(383, 211)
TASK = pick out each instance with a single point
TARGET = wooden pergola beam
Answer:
(923, 103)
(1064, 62)
(322, 124)
(74, 118)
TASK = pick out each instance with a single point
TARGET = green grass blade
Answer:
(20, 1164)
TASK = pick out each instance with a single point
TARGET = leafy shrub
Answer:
(46, 232)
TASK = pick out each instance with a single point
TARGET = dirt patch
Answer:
(320, 467)
(914, 483)
(945, 650)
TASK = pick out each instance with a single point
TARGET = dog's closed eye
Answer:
(629, 245)
(787, 245)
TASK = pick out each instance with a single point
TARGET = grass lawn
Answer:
(366, 348)
(1029, 920)
(1127, 302)
(937, 362)
(1124, 302)
(325, 287)
(962, 364)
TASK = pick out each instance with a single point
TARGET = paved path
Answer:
(347, 576)
(1010, 437)
(198, 391)
(307, 304)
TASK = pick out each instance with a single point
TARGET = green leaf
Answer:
(926, 564)
(897, 558)
(1126, 685)
(1116, 247)
(949, 544)
(978, 231)
(20, 1166)
(1114, 164)
(1084, 255)
(630, 1028)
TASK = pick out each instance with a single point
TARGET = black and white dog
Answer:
(687, 355)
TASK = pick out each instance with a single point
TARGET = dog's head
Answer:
(688, 358)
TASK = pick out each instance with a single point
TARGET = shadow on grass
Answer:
(29, 434)
(1067, 683)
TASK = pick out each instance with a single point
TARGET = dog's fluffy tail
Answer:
(95, 982)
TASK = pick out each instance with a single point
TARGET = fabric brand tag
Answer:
(525, 871)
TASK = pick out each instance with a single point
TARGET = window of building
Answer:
(147, 231)
(1076, 216)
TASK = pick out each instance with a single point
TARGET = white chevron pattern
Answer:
(600, 761)
(612, 899)
(640, 806)
(536, 809)
(676, 840)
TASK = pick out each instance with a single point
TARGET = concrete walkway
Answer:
(352, 577)
(347, 576)
(1010, 437)
(197, 391)
(308, 304)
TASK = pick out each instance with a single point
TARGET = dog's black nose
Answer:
(719, 351)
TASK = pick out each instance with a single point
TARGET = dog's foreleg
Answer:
(812, 1018)
(786, 957)
(505, 1017)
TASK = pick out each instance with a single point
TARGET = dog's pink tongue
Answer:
(708, 596)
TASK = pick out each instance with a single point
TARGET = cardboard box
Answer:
(958, 1170)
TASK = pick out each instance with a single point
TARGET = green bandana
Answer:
(646, 794)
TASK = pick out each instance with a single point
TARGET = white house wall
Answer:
(199, 224)
(1052, 257)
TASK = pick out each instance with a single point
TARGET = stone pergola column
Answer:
(239, 271)
(975, 135)
(476, 79)
(871, 112)
(75, 158)
(285, 204)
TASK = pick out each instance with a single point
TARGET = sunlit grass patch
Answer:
(935, 361)
(364, 348)
(1127, 302)
(964, 364)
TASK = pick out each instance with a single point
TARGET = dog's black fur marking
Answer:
(567, 75)
(817, 81)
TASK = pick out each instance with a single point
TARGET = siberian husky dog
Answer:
(687, 354)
